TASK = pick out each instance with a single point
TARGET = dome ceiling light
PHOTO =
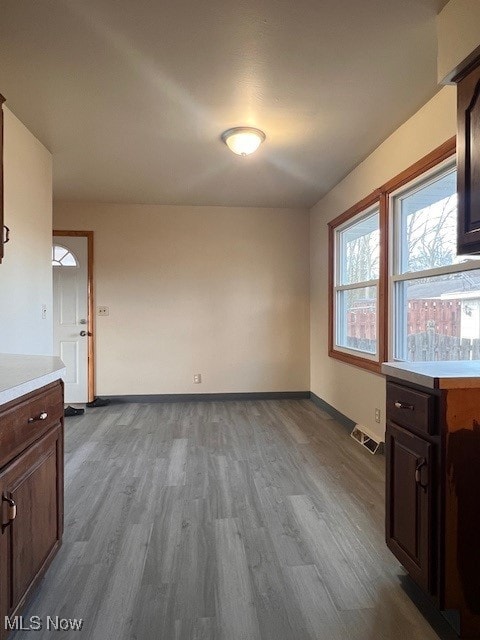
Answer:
(243, 140)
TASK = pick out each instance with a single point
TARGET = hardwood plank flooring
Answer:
(255, 520)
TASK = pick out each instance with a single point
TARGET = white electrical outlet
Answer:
(197, 378)
(103, 311)
(378, 415)
(44, 311)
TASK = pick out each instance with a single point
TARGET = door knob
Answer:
(85, 333)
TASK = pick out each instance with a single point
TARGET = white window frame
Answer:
(397, 332)
(338, 288)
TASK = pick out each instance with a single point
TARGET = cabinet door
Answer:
(409, 502)
(468, 162)
(31, 488)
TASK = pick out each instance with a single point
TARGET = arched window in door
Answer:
(63, 257)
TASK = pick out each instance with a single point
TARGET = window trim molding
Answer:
(380, 196)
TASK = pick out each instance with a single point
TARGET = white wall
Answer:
(26, 270)
(351, 390)
(219, 291)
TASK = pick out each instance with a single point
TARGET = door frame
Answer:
(90, 306)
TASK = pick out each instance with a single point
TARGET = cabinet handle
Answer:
(11, 510)
(42, 416)
(6, 236)
(418, 473)
(403, 405)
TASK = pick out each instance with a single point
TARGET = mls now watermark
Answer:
(36, 623)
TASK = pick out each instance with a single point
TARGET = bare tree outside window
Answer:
(431, 235)
(363, 257)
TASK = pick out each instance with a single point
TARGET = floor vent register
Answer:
(367, 439)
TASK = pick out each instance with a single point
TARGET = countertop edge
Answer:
(447, 379)
(7, 395)
(410, 376)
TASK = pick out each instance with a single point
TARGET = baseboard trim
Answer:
(337, 415)
(209, 397)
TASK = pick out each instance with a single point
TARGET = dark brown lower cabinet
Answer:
(31, 491)
(433, 493)
(410, 502)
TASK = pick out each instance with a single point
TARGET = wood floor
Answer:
(229, 521)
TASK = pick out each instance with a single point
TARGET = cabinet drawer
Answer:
(409, 408)
(24, 420)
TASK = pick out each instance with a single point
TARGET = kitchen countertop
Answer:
(21, 374)
(452, 374)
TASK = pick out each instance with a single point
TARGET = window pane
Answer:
(438, 318)
(359, 250)
(69, 261)
(428, 219)
(62, 257)
(357, 319)
(59, 252)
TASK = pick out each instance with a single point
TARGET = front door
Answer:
(70, 313)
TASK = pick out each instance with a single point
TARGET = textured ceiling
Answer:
(131, 97)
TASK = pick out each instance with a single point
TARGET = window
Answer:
(63, 257)
(357, 271)
(435, 293)
(396, 286)
(357, 284)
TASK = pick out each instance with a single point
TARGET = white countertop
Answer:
(452, 374)
(22, 374)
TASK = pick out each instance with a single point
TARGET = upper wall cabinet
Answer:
(3, 230)
(468, 150)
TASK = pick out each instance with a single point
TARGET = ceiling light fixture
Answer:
(243, 140)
